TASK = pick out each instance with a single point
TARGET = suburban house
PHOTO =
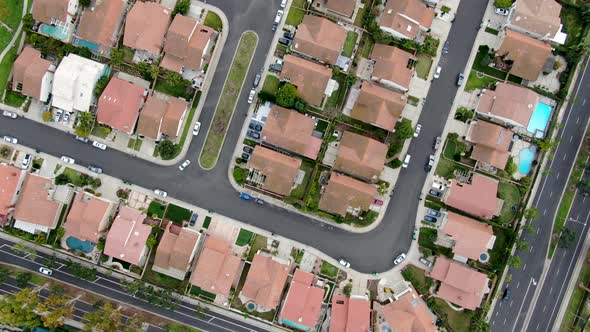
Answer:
(409, 313)
(10, 178)
(217, 268)
(539, 19)
(119, 104)
(459, 284)
(470, 238)
(477, 196)
(162, 117)
(273, 171)
(126, 240)
(344, 195)
(32, 75)
(393, 67)
(319, 38)
(146, 39)
(406, 19)
(343, 8)
(187, 45)
(58, 15)
(360, 156)
(350, 314)
(291, 131)
(74, 83)
(100, 26)
(37, 210)
(88, 219)
(303, 304)
(492, 143)
(528, 55)
(265, 282)
(378, 106)
(176, 251)
(508, 104)
(310, 78)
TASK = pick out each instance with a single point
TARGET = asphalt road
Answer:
(369, 252)
(510, 315)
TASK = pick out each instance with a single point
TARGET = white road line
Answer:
(557, 271)
(584, 102)
(550, 194)
(544, 211)
(578, 120)
(511, 304)
(564, 156)
(544, 308)
(531, 249)
(571, 138)
(517, 284)
(550, 290)
(524, 268)
(504, 321)
(557, 177)
(537, 230)
(493, 323)
(521, 304)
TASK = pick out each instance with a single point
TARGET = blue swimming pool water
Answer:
(55, 32)
(526, 159)
(91, 46)
(83, 246)
(539, 119)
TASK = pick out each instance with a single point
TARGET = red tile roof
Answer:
(171, 121)
(406, 16)
(265, 281)
(278, 169)
(319, 38)
(45, 10)
(304, 301)
(100, 24)
(217, 267)
(186, 43)
(350, 314)
(378, 106)
(392, 64)
(360, 156)
(471, 237)
(310, 78)
(460, 284)
(142, 36)
(343, 193)
(9, 179)
(29, 70)
(87, 219)
(478, 198)
(127, 236)
(342, 7)
(492, 143)
(409, 313)
(176, 248)
(119, 103)
(528, 55)
(509, 101)
(36, 204)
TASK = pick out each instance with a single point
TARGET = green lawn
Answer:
(11, 12)
(365, 45)
(226, 105)
(459, 321)
(177, 214)
(299, 191)
(176, 90)
(503, 243)
(475, 82)
(74, 176)
(417, 278)
(134, 144)
(337, 97)
(188, 124)
(100, 131)
(6, 65)
(213, 20)
(445, 168)
(271, 85)
(492, 31)
(156, 209)
(207, 222)
(14, 98)
(577, 298)
(511, 196)
(480, 65)
(360, 16)
(426, 238)
(258, 244)
(165, 281)
(423, 66)
(329, 270)
(453, 147)
(349, 43)
(244, 237)
(296, 14)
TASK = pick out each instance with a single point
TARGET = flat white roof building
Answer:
(74, 82)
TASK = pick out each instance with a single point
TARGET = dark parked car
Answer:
(445, 49)
(95, 169)
(274, 26)
(460, 79)
(275, 67)
(429, 163)
(433, 213)
(257, 80)
(430, 219)
(285, 41)
(248, 149)
(255, 126)
(435, 193)
(506, 294)
(259, 201)
(253, 134)
(288, 35)
(246, 156)
(81, 139)
(193, 219)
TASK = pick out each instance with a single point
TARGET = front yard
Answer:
(349, 43)
(296, 13)
(446, 168)
(478, 80)
(458, 321)
(328, 270)
(511, 196)
(244, 237)
(418, 279)
(271, 85)
(423, 66)
(212, 20)
(177, 214)
(260, 242)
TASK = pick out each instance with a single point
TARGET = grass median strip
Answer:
(227, 100)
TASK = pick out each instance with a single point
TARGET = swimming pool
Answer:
(91, 46)
(526, 159)
(83, 246)
(539, 119)
(52, 31)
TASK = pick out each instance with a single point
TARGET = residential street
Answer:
(510, 315)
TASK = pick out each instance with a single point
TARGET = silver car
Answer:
(11, 139)
(99, 145)
(400, 258)
(9, 114)
(161, 193)
(184, 165)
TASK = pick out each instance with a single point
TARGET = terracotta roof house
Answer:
(478, 197)
(274, 171)
(528, 55)
(127, 237)
(74, 82)
(100, 25)
(37, 211)
(459, 284)
(32, 75)
(471, 238)
(265, 282)
(406, 19)
(492, 143)
(508, 103)
(350, 314)
(57, 13)
(408, 313)
(9, 185)
(146, 39)
(344, 195)
(378, 106)
(291, 131)
(119, 104)
(537, 18)
(341, 7)
(88, 218)
(161, 117)
(217, 268)
(319, 38)
(302, 307)
(393, 67)
(360, 156)
(176, 251)
(310, 79)
(187, 45)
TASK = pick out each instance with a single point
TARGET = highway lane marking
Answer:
(557, 271)
(511, 304)
(550, 194)
(578, 119)
(517, 284)
(537, 230)
(522, 303)
(493, 323)
(531, 249)
(557, 177)
(550, 290)
(524, 267)
(544, 211)
(571, 138)
(544, 308)
(564, 156)
(504, 321)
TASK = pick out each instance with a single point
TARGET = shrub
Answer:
(62, 179)
(503, 3)
(403, 129)
(101, 84)
(395, 163)
(287, 96)
(47, 116)
(166, 149)
(240, 175)
(182, 7)
(122, 194)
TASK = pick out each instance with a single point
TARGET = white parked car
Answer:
(417, 130)
(99, 145)
(406, 162)
(438, 186)
(344, 263)
(184, 165)
(161, 193)
(11, 139)
(67, 117)
(251, 96)
(502, 11)
(437, 72)
(400, 258)
(58, 114)
(9, 114)
(45, 271)
(283, 3)
(196, 129)
(26, 161)
(67, 159)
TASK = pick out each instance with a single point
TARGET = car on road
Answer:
(255, 126)
(248, 149)
(95, 169)
(506, 294)
(285, 41)
(429, 163)
(99, 145)
(10, 139)
(45, 271)
(460, 79)
(184, 165)
(161, 193)
(193, 219)
(245, 196)
(502, 11)
(67, 117)
(437, 72)
(288, 35)
(434, 213)
(67, 160)
(253, 134)
(417, 130)
(400, 258)
(435, 193)
(438, 186)
(274, 26)
(275, 67)
(283, 3)
(277, 20)
(26, 161)
(425, 261)
(445, 49)
(415, 234)
(81, 139)
(437, 142)
(257, 79)
(343, 262)
(406, 162)
(246, 156)
(58, 115)
(251, 96)
(196, 128)
(9, 114)
(259, 201)
(430, 219)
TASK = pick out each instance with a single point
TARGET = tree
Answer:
(133, 324)
(62, 179)
(151, 241)
(529, 227)
(22, 249)
(5, 151)
(105, 319)
(101, 84)
(4, 274)
(19, 309)
(117, 57)
(566, 238)
(133, 287)
(23, 278)
(148, 71)
(404, 129)
(514, 262)
(531, 213)
(28, 21)
(55, 310)
(85, 122)
(177, 327)
(546, 144)
(521, 244)
(84, 3)
(347, 290)
(287, 95)
(182, 7)
(585, 12)
(383, 187)
(510, 167)
(166, 149)
(173, 78)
